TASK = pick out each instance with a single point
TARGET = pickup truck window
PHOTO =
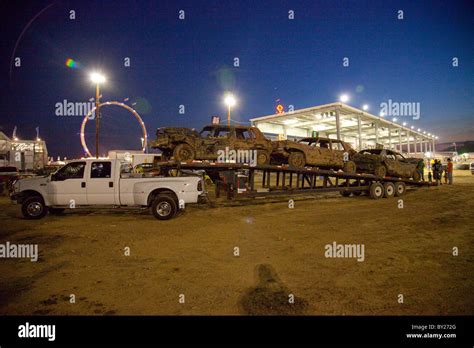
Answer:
(101, 170)
(74, 170)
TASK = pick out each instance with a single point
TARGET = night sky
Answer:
(190, 62)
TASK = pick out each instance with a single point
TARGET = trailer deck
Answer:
(238, 179)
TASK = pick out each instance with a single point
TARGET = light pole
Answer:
(230, 101)
(97, 79)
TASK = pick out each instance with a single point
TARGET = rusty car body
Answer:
(315, 151)
(184, 144)
(385, 162)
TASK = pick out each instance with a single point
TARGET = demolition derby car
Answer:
(383, 162)
(315, 151)
(184, 144)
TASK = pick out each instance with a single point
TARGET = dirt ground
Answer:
(408, 251)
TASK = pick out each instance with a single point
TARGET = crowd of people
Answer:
(439, 169)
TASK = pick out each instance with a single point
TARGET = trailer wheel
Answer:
(33, 208)
(296, 159)
(164, 207)
(349, 167)
(389, 190)
(400, 188)
(381, 171)
(376, 190)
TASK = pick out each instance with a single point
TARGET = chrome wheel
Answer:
(34, 208)
(163, 209)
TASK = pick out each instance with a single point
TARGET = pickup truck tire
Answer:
(183, 153)
(164, 207)
(33, 208)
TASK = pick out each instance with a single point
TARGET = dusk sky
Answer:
(190, 62)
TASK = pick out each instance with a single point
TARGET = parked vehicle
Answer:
(315, 151)
(6, 175)
(385, 162)
(106, 183)
(184, 144)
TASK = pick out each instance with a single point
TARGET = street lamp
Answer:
(230, 101)
(365, 107)
(97, 78)
(344, 98)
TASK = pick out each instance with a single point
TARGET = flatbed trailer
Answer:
(284, 180)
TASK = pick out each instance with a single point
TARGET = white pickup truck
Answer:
(107, 183)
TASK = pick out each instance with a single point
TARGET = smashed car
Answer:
(385, 162)
(319, 152)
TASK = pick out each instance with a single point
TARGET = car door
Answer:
(68, 185)
(100, 183)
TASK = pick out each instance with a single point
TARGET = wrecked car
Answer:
(385, 162)
(324, 153)
(184, 144)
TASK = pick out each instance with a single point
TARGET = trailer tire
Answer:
(33, 208)
(389, 190)
(400, 188)
(164, 207)
(376, 190)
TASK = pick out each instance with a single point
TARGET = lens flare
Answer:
(71, 63)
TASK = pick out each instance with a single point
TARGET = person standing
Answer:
(449, 171)
(436, 172)
(420, 167)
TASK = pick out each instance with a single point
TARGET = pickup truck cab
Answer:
(105, 183)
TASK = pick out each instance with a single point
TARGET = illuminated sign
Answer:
(22, 147)
(280, 109)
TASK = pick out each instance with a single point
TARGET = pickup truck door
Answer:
(68, 185)
(100, 183)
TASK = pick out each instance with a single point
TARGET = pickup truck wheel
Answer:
(296, 159)
(380, 171)
(164, 207)
(33, 208)
(183, 153)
